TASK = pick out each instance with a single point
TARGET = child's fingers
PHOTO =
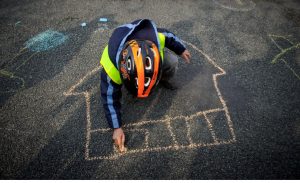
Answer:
(117, 142)
(120, 144)
(188, 54)
(122, 147)
(123, 139)
(186, 58)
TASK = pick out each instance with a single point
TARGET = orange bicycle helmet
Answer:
(140, 67)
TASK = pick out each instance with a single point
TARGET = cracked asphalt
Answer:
(235, 115)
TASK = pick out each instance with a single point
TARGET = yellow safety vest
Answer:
(113, 72)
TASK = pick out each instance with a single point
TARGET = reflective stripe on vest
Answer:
(113, 72)
(162, 39)
(109, 67)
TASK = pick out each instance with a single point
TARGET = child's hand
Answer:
(186, 56)
(119, 139)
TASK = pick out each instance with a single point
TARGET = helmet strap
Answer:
(140, 69)
(155, 72)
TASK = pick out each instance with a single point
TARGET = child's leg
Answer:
(169, 66)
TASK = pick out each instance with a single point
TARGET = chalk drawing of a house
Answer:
(195, 116)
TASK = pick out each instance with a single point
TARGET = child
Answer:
(136, 57)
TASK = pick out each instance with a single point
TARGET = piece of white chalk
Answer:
(103, 20)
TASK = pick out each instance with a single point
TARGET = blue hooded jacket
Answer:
(139, 29)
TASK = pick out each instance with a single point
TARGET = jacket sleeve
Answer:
(111, 95)
(172, 41)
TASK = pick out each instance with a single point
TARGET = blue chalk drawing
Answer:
(45, 41)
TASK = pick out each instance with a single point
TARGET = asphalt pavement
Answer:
(235, 114)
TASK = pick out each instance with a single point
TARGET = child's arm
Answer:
(175, 44)
(111, 95)
(172, 41)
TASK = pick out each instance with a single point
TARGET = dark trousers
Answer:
(169, 66)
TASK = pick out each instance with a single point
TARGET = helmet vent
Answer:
(148, 63)
(129, 64)
(153, 52)
(136, 82)
(147, 79)
(139, 52)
